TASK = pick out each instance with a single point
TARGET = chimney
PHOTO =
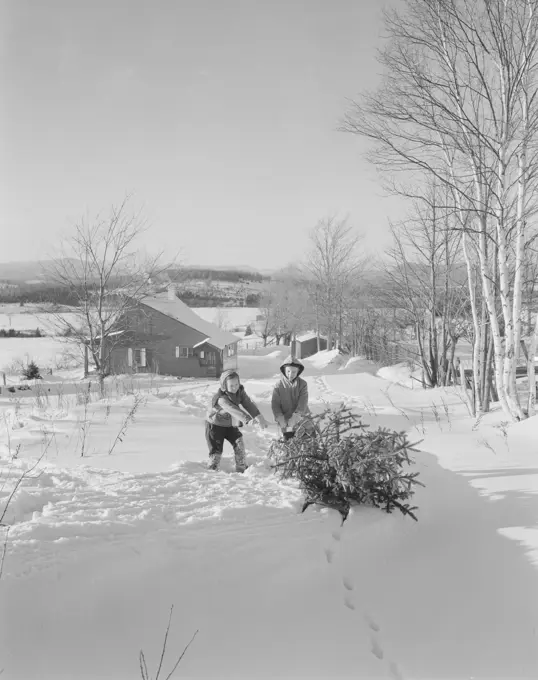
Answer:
(172, 291)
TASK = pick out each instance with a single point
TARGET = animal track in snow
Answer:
(376, 648)
(347, 583)
(373, 625)
(329, 554)
(348, 602)
(336, 535)
(395, 671)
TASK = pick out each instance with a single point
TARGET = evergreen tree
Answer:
(31, 372)
(342, 463)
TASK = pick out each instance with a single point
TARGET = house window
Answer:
(230, 350)
(183, 352)
(202, 354)
(136, 357)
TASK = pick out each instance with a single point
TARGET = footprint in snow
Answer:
(348, 602)
(347, 583)
(395, 671)
(372, 624)
(376, 648)
(329, 555)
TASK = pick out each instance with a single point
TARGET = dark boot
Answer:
(239, 449)
(214, 461)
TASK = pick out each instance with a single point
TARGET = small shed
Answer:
(306, 344)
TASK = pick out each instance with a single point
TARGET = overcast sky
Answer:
(220, 116)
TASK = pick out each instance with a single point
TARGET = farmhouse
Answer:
(164, 335)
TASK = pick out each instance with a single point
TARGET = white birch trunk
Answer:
(477, 328)
(531, 401)
(494, 322)
(520, 244)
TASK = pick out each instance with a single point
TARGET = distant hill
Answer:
(246, 268)
(33, 271)
(27, 282)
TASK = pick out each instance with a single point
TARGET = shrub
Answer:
(343, 464)
(31, 372)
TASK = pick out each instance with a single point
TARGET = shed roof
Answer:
(310, 335)
(178, 310)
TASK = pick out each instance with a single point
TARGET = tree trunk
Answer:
(489, 388)
(495, 328)
(477, 408)
(533, 345)
(518, 279)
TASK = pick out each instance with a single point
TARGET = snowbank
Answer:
(325, 358)
(401, 374)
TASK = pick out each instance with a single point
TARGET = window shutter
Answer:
(129, 357)
(142, 357)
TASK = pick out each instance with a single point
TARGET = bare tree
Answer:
(331, 266)
(282, 307)
(222, 319)
(425, 265)
(102, 268)
(459, 104)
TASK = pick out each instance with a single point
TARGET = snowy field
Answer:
(99, 546)
(48, 353)
(229, 317)
(28, 318)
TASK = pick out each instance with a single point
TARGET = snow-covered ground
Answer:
(48, 353)
(29, 318)
(101, 546)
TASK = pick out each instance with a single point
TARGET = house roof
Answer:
(178, 310)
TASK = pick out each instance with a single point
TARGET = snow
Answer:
(100, 546)
(324, 358)
(230, 317)
(31, 317)
(402, 375)
(47, 352)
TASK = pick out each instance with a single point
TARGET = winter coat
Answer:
(290, 399)
(218, 416)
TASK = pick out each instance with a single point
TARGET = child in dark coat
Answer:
(231, 407)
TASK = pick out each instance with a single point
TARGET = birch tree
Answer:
(458, 104)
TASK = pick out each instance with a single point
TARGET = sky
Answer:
(219, 118)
